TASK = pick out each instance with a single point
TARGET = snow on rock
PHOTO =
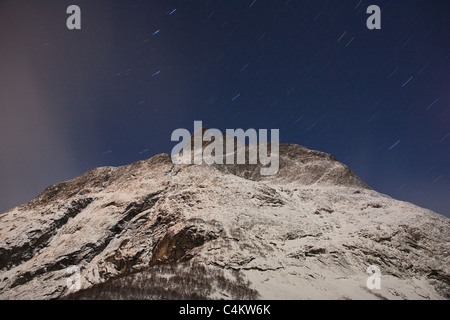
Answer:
(310, 232)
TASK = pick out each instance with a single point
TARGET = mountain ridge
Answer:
(308, 232)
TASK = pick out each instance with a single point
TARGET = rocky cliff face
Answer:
(155, 230)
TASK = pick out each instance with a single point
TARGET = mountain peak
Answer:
(310, 231)
(297, 164)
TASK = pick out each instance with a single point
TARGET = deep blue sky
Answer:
(113, 92)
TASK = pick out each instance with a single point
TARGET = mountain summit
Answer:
(155, 230)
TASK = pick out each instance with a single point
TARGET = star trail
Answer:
(111, 93)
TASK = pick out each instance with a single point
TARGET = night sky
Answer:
(113, 93)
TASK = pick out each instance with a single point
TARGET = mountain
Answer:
(155, 230)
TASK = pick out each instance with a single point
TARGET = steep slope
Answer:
(311, 231)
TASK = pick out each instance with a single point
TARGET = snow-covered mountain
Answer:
(156, 230)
